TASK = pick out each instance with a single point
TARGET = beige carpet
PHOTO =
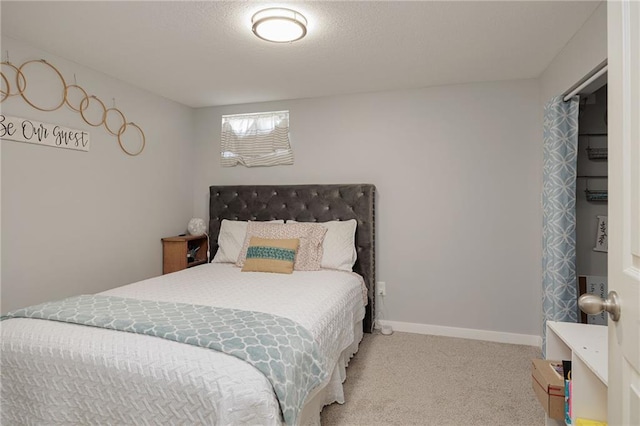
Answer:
(413, 379)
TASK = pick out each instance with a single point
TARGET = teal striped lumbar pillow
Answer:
(269, 255)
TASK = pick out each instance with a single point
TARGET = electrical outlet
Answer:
(381, 288)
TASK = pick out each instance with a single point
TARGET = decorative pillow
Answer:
(267, 255)
(339, 245)
(309, 252)
(231, 239)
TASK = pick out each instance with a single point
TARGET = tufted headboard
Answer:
(304, 203)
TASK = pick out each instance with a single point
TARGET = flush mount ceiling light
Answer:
(279, 25)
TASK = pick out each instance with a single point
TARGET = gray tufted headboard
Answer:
(304, 203)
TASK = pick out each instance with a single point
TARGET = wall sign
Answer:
(602, 243)
(39, 133)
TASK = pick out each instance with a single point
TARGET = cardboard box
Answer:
(548, 386)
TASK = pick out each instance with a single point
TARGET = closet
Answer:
(591, 199)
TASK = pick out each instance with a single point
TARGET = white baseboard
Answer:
(464, 333)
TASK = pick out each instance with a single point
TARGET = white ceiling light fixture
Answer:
(279, 25)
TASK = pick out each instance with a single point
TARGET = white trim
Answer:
(464, 333)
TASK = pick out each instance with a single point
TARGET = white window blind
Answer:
(260, 139)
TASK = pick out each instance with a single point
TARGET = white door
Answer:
(624, 209)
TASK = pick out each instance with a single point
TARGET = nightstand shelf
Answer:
(176, 249)
(586, 346)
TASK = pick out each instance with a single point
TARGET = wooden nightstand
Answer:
(175, 250)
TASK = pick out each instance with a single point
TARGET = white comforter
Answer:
(59, 373)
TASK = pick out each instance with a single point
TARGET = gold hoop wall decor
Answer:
(4, 94)
(66, 96)
(82, 110)
(19, 74)
(23, 89)
(82, 106)
(124, 129)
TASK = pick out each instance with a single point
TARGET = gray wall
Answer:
(584, 52)
(458, 171)
(81, 222)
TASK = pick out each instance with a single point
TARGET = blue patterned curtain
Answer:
(559, 301)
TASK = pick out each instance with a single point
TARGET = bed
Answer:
(59, 373)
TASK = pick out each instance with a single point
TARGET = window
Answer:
(260, 139)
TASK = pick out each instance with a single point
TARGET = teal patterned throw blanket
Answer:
(284, 351)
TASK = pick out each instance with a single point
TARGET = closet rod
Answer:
(596, 74)
(591, 177)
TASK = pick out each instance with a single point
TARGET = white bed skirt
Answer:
(333, 391)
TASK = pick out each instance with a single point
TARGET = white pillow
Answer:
(230, 240)
(339, 245)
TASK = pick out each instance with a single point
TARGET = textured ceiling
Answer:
(204, 53)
